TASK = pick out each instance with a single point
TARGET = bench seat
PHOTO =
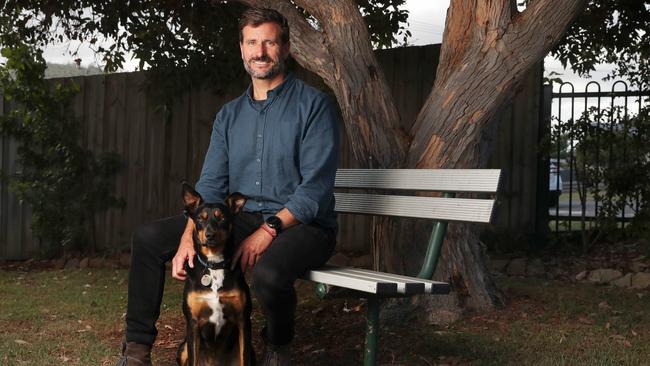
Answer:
(377, 283)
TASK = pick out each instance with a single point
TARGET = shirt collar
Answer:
(288, 80)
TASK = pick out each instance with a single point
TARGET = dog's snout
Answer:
(210, 235)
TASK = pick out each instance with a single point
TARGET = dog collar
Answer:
(212, 265)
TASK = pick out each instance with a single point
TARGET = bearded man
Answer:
(278, 144)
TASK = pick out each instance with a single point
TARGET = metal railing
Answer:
(568, 106)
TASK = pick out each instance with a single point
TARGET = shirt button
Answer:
(259, 135)
(260, 204)
(257, 183)
(259, 160)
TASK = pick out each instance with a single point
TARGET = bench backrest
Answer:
(441, 209)
(445, 208)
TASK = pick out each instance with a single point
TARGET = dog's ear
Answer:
(191, 198)
(235, 201)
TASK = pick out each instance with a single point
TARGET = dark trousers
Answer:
(292, 253)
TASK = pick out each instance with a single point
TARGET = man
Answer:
(278, 145)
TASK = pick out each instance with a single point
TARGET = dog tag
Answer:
(206, 280)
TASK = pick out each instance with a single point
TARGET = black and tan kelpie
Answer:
(216, 300)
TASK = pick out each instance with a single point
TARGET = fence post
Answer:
(543, 155)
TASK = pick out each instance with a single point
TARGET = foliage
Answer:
(559, 148)
(65, 184)
(183, 44)
(610, 31)
(612, 164)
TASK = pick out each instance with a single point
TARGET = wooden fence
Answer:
(162, 147)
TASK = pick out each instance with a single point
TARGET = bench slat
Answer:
(404, 286)
(364, 285)
(439, 208)
(430, 286)
(379, 283)
(438, 180)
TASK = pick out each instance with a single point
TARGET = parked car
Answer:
(554, 183)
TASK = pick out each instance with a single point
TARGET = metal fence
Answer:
(577, 149)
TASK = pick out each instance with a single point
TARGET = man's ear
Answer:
(191, 198)
(235, 201)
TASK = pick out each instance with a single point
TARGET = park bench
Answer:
(374, 286)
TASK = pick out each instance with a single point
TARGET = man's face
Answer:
(262, 50)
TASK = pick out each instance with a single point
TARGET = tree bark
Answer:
(487, 48)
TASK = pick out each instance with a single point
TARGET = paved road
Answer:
(576, 209)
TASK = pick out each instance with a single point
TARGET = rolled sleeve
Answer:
(319, 158)
(213, 181)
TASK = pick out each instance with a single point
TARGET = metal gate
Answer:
(575, 153)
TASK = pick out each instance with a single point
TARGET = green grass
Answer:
(544, 323)
(64, 317)
(52, 317)
(558, 323)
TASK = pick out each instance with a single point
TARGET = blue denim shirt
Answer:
(280, 152)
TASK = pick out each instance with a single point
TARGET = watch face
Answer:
(274, 222)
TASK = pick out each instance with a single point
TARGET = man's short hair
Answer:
(257, 16)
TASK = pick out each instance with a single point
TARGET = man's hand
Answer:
(252, 248)
(185, 253)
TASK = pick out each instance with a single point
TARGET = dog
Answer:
(216, 300)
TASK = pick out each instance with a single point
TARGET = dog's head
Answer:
(212, 221)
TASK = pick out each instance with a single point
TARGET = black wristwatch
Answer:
(274, 223)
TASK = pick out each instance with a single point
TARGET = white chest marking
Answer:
(213, 298)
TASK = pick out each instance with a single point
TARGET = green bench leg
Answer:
(372, 332)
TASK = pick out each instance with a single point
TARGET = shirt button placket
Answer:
(260, 148)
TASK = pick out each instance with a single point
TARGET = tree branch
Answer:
(358, 81)
(546, 30)
(470, 23)
(479, 74)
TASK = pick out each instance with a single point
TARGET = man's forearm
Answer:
(189, 228)
(287, 218)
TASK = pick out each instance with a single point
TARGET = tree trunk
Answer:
(487, 48)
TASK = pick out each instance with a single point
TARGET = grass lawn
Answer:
(73, 317)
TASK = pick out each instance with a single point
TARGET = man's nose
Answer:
(259, 50)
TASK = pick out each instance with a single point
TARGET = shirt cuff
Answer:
(304, 210)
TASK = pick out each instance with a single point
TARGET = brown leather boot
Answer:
(135, 354)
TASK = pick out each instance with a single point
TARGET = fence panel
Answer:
(162, 145)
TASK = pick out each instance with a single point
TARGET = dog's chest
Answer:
(209, 298)
(217, 317)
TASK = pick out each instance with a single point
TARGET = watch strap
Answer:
(271, 231)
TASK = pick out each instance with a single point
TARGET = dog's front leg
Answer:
(182, 356)
(193, 342)
(242, 342)
(246, 352)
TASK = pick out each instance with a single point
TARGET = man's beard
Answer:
(276, 69)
